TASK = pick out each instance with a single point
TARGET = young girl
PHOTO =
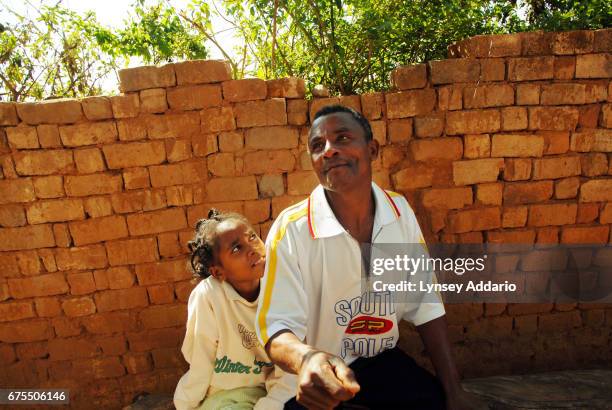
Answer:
(228, 365)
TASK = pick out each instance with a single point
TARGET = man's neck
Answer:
(354, 210)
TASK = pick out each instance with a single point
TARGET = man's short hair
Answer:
(361, 120)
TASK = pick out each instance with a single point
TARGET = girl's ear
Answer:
(216, 272)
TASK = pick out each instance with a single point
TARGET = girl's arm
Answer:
(199, 349)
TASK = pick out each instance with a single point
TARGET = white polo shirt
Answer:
(312, 285)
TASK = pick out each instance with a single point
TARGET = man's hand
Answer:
(462, 400)
(324, 381)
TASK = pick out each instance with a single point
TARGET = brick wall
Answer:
(508, 140)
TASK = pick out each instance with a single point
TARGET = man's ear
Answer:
(374, 147)
(217, 272)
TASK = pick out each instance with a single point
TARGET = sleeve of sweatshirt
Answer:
(199, 349)
(281, 387)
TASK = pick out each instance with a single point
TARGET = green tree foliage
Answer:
(348, 45)
(50, 55)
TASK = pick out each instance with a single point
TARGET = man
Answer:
(311, 299)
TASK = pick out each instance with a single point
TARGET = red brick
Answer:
(297, 111)
(131, 129)
(548, 235)
(410, 103)
(602, 40)
(474, 220)
(476, 171)
(267, 138)
(161, 294)
(16, 311)
(271, 185)
(473, 122)
(439, 148)
(528, 192)
(162, 272)
(194, 97)
(267, 162)
(180, 125)
(97, 108)
(301, 182)
(217, 119)
(156, 317)
(27, 237)
(62, 235)
(555, 142)
(125, 105)
(552, 214)
(153, 101)
(22, 137)
(98, 368)
(288, 87)
(66, 327)
(47, 307)
(140, 78)
(450, 98)
(55, 111)
(492, 69)
(527, 94)
(8, 113)
(244, 90)
(553, 118)
(43, 162)
(178, 149)
(514, 217)
(114, 278)
(134, 154)
(42, 285)
(132, 251)
(400, 130)
(409, 77)
(25, 331)
(111, 322)
(168, 358)
(587, 66)
(517, 145)
(586, 235)
(112, 345)
(489, 194)
(226, 189)
(110, 300)
(155, 222)
(454, 71)
(488, 96)
(563, 93)
(136, 363)
(98, 230)
(29, 262)
(76, 307)
(514, 118)
(202, 71)
(567, 188)
(155, 339)
(81, 283)
(573, 42)
(102, 132)
(89, 160)
(447, 198)
(222, 165)
(594, 164)
(179, 195)
(48, 136)
(12, 215)
(587, 213)
(530, 68)
(86, 257)
(178, 174)
(606, 214)
(429, 126)
(17, 190)
(565, 67)
(592, 140)
(147, 200)
(55, 211)
(231, 141)
(559, 322)
(94, 184)
(596, 190)
(98, 206)
(261, 113)
(557, 167)
(477, 146)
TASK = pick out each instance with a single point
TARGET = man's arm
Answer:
(324, 380)
(435, 338)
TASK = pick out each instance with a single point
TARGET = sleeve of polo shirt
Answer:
(282, 300)
(199, 349)
(423, 312)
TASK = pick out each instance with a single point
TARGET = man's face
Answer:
(341, 157)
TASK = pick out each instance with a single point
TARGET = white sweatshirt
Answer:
(223, 352)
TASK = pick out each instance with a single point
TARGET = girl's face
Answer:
(240, 257)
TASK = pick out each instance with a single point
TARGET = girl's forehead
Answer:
(230, 228)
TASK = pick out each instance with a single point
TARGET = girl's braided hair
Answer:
(204, 244)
